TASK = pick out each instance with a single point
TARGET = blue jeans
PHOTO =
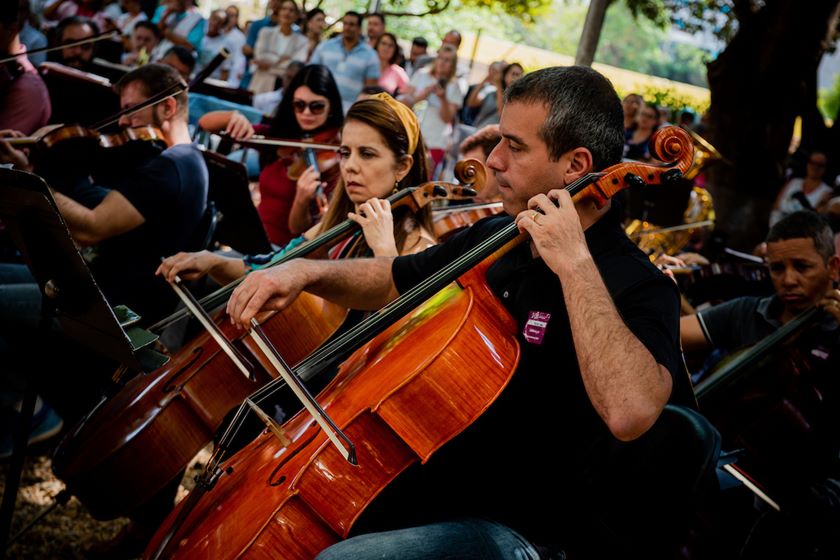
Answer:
(20, 299)
(463, 539)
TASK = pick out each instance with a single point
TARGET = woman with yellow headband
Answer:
(381, 152)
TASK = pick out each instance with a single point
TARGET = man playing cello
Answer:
(600, 356)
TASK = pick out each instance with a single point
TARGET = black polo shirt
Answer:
(740, 322)
(545, 411)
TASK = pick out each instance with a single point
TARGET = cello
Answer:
(171, 413)
(293, 498)
(777, 400)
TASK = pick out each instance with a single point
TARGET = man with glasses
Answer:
(804, 193)
(150, 209)
(353, 64)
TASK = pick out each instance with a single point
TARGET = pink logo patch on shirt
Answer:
(534, 330)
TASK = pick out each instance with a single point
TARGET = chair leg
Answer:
(21, 439)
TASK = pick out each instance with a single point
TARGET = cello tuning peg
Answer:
(440, 191)
(634, 180)
(671, 176)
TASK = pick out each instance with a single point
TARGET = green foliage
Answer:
(527, 9)
(672, 99)
(629, 39)
(829, 100)
(642, 45)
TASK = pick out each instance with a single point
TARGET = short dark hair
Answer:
(379, 15)
(71, 21)
(154, 78)
(373, 90)
(487, 138)
(356, 15)
(583, 111)
(805, 224)
(420, 42)
(456, 33)
(183, 54)
(146, 24)
(653, 107)
(314, 12)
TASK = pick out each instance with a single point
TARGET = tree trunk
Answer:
(759, 85)
(591, 32)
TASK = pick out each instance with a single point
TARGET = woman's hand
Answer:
(308, 184)
(239, 127)
(191, 266)
(301, 217)
(378, 225)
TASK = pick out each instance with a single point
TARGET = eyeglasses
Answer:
(315, 107)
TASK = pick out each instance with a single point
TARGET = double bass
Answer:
(171, 413)
(422, 380)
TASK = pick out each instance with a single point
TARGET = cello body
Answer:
(132, 445)
(170, 414)
(399, 398)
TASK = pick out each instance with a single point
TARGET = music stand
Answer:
(34, 223)
(240, 226)
(663, 205)
(31, 218)
(76, 96)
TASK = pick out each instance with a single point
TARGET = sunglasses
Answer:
(315, 107)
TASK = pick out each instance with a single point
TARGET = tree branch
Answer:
(435, 7)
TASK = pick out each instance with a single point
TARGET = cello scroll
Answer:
(671, 144)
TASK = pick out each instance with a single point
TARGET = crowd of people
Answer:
(598, 330)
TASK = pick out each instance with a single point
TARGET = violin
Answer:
(171, 413)
(299, 159)
(77, 147)
(320, 150)
(292, 496)
(452, 219)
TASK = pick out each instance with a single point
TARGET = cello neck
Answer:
(733, 370)
(340, 347)
(333, 235)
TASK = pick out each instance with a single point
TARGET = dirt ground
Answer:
(66, 531)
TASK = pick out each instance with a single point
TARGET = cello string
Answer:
(423, 290)
(223, 294)
(329, 353)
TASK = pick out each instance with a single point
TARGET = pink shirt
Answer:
(393, 78)
(25, 101)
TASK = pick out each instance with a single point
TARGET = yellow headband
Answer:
(407, 118)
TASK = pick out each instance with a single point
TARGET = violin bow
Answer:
(171, 91)
(95, 38)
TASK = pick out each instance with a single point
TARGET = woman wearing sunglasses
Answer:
(381, 152)
(310, 106)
